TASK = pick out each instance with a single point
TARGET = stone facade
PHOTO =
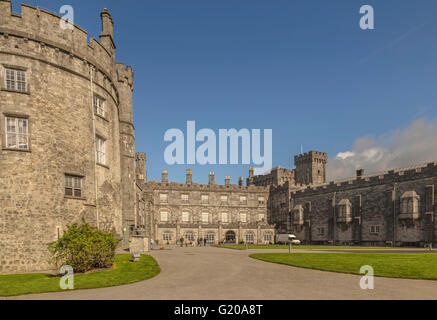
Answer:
(48, 130)
(396, 207)
(218, 213)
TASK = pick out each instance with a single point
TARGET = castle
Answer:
(392, 208)
(67, 153)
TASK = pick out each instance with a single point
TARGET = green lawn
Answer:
(124, 272)
(301, 247)
(392, 265)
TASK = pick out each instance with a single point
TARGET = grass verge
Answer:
(391, 265)
(304, 247)
(124, 272)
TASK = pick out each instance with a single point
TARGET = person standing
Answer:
(151, 244)
(182, 242)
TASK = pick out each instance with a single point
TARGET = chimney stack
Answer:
(241, 182)
(164, 176)
(227, 181)
(211, 178)
(107, 35)
(189, 176)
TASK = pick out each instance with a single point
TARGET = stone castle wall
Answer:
(63, 73)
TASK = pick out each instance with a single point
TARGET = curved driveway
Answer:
(225, 274)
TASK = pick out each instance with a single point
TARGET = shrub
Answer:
(84, 248)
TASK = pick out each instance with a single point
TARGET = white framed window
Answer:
(185, 216)
(205, 198)
(261, 217)
(225, 217)
(100, 150)
(224, 199)
(205, 217)
(163, 198)
(243, 217)
(73, 186)
(99, 106)
(184, 198)
(243, 200)
(250, 237)
(17, 133)
(261, 201)
(320, 231)
(164, 216)
(16, 80)
(210, 237)
(166, 236)
(374, 229)
(268, 237)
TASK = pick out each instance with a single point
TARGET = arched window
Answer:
(230, 237)
(225, 217)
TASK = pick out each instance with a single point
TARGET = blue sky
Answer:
(301, 68)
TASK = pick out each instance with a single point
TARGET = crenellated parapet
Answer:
(37, 34)
(419, 172)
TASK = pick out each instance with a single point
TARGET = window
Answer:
(224, 199)
(17, 133)
(73, 186)
(163, 198)
(243, 217)
(100, 150)
(320, 231)
(225, 217)
(164, 216)
(184, 198)
(189, 236)
(298, 215)
(205, 217)
(185, 216)
(210, 237)
(268, 237)
(261, 201)
(205, 198)
(243, 200)
(99, 106)
(250, 237)
(261, 217)
(410, 205)
(16, 80)
(374, 230)
(166, 236)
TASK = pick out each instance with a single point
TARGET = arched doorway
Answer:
(230, 237)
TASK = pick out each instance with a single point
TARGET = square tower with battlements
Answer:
(311, 167)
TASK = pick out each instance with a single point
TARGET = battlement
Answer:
(387, 177)
(140, 156)
(310, 156)
(125, 75)
(44, 27)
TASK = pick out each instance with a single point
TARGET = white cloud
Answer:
(400, 148)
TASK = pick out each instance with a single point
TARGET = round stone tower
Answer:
(67, 147)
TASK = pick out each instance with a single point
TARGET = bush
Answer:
(84, 248)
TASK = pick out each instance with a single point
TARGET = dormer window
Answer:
(410, 205)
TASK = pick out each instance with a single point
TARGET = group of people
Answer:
(187, 242)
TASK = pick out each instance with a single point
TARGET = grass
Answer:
(302, 247)
(391, 265)
(124, 272)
